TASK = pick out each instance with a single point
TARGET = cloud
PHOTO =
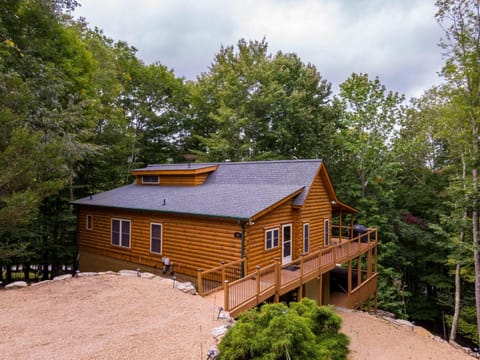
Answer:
(395, 40)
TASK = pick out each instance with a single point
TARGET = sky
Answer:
(396, 40)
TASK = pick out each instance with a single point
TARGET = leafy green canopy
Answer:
(253, 105)
(275, 331)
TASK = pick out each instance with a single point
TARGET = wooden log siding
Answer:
(255, 236)
(177, 180)
(315, 210)
(190, 242)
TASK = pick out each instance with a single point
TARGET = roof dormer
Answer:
(174, 174)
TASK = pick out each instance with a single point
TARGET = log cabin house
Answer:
(254, 230)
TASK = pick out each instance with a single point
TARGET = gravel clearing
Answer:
(121, 317)
(105, 317)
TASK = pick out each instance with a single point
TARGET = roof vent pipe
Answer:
(164, 202)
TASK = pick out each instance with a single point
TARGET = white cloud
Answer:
(396, 40)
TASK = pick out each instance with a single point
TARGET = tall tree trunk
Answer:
(456, 313)
(475, 238)
(476, 259)
(363, 180)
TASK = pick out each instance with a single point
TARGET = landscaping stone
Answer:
(41, 282)
(213, 353)
(220, 331)
(147, 275)
(88, 273)
(404, 323)
(109, 272)
(186, 287)
(132, 273)
(16, 285)
(62, 277)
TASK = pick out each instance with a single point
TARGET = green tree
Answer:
(368, 175)
(44, 81)
(253, 105)
(461, 21)
(275, 331)
(371, 115)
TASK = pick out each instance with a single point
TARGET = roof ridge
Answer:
(239, 162)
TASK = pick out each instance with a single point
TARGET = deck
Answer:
(276, 280)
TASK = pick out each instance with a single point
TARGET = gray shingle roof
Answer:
(234, 190)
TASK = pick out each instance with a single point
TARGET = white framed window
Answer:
(89, 222)
(326, 232)
(150, 179)
(156, 232)
(271, 238)
(306, 237)
(121, 232)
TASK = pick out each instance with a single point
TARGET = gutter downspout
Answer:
(242, 249)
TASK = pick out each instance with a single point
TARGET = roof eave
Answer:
(278, 203)
(225, 217)
(341, 206)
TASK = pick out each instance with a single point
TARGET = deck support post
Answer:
(349, 284)
(199, 281)
(341, 228)
(300, 288)
(257, 276)
(320, 290)
(369, 263)
(278, 279)
(222, 263)
(359, 270)
(225, 296)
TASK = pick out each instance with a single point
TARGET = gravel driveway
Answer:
(118, 317)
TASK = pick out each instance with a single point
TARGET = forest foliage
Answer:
(79, 110)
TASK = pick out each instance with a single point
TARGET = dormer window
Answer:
(150, 179)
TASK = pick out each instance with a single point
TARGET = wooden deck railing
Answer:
(252, 289)
(275, 279)
(213, 279)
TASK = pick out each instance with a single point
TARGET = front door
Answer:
(286, 244)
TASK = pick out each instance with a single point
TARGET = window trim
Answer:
(161, 238)
(89, 222)
(272, 230)
(121, 221)
(306, 226)
(150, 182)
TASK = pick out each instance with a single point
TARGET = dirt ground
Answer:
(118, 317)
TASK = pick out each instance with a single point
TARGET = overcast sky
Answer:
(395, 40)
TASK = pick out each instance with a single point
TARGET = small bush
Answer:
(276, 331)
